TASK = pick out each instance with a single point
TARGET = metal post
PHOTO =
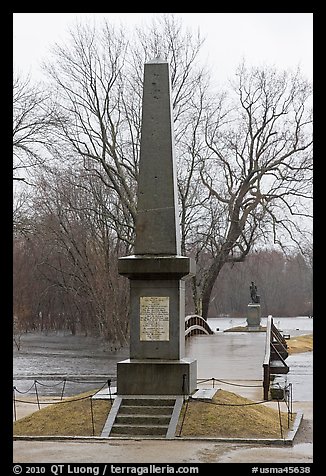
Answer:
(266, 381)
(63, 388)
(287, 392)
(109, 387)
(279, 414)
(184, 386)
(38, 402)
(15, 411)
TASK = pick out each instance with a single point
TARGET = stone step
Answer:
(143, 437)
(169, 402)
(120, 429)
(146, 410)
(142, 420)
(143, 417)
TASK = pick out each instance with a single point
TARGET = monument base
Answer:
(156, 377)
(253, 319)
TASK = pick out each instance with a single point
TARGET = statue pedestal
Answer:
(253, 317)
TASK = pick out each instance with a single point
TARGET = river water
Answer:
(300, 364)
(287, 325)
(66, 364)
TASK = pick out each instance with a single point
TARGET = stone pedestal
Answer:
(157, 365)
(156, 377)
(253, 317)
(157, 305)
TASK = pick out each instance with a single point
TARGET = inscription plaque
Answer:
(154, 318)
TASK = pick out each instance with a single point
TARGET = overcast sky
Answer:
(284, 40)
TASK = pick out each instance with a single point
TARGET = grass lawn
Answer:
(300, 344)
(229, 415)
(67, 418)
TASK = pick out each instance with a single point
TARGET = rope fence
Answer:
(67, 400)
(213, 379)
(287, 397)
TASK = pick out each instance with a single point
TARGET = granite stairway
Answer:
(143, 417)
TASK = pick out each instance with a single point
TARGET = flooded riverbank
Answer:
(84, 363)
(301, 364)
(288, 325)
(76, 363)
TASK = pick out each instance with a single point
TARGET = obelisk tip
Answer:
(156, 60)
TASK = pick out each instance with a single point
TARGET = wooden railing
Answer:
(195, 324)
(275, 355)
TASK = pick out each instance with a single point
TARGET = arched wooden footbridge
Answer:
(195, 324)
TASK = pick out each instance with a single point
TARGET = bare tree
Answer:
(97, 114)
(88, 76)
(244, 170)
(77, 255)
(258, 169)
(99, 85)
(32, 125)
(284, 285)
(34, 143)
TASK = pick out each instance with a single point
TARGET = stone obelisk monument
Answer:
(156, 271)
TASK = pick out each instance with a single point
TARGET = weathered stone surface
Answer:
(169, 343)
(205, 393)
(253, 315)
(157, 226)
(156, 267)
(156, 377)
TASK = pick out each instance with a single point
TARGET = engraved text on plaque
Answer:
(154, 318)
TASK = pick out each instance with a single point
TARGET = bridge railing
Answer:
(195, 324)
(275, 355)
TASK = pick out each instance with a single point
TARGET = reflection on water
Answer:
(228, 356)
(87, 363)
(301, 364)
(301, 375)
